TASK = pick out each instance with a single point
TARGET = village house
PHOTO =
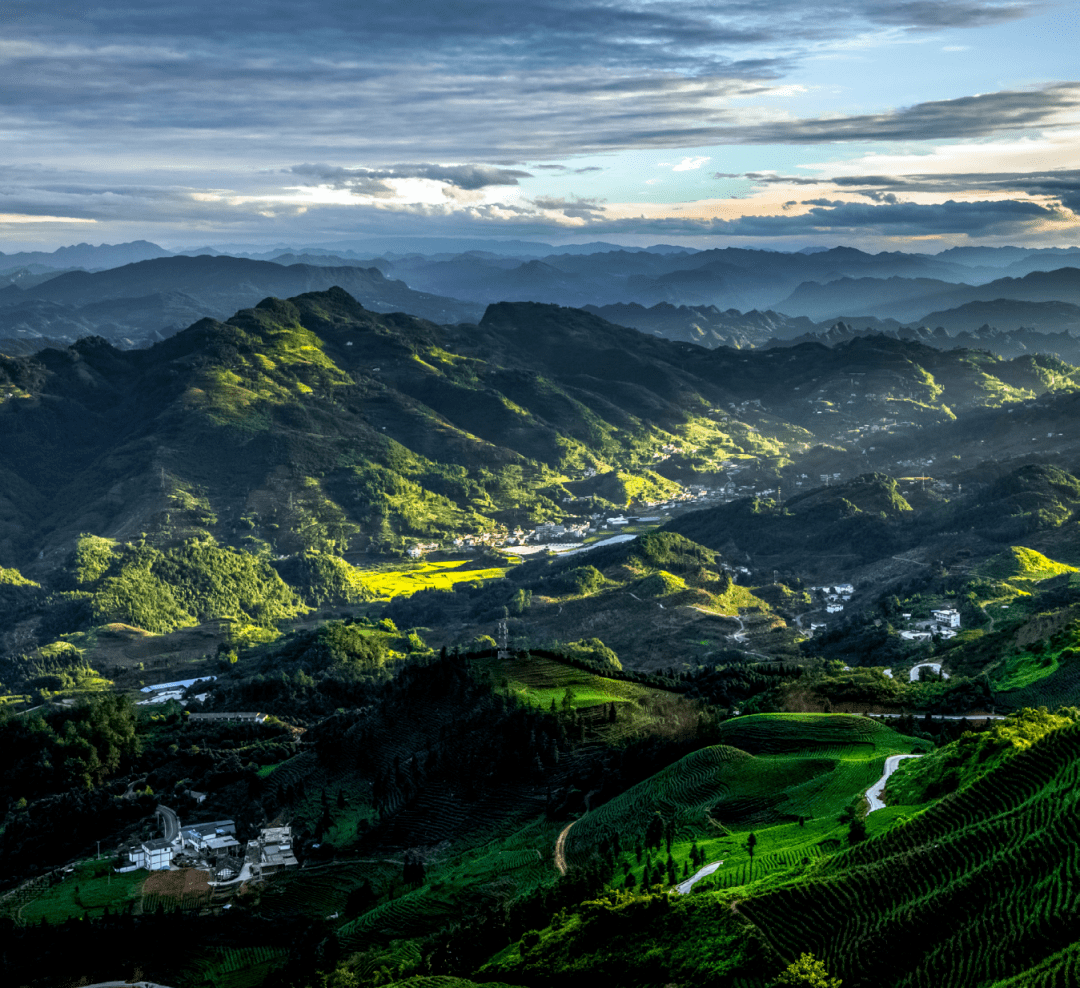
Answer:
(153, 855)
(218, 835)
(947, 616)
(275, 851)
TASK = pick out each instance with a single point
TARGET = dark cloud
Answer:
(972, 219)
(930, 14)
(953, 119)
(391, 81)
(371, 181)
(575, 208)
(1062, 184)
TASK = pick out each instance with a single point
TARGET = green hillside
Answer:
(928, 880)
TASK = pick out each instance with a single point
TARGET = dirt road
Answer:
(560, 848)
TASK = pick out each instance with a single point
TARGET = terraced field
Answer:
(1057, 684)
(244, 967)
(91, 889)
(498, 870)
(537, 681)
(1000, 855)
(784, 778)
(323, 891)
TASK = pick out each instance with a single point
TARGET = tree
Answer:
(808, 972)
(856, 831)
(654, 833)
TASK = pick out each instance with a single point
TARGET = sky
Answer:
(781, 124)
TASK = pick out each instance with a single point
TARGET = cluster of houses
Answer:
(944, 622)
(213, 846)
(835, 596)
(417, 551)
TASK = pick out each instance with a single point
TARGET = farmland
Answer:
(926, 880)
(784, 778)
(403, 580)
(186, 888)
(90, 890)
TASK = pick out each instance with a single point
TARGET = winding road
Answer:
(684, 887)
(170, 822)
(560, 848)
(875, 792)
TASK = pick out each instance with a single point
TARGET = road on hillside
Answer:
(126, 984)
(920, 716)
(560, 848)
(874, 793)
(170, 822)
(684, 887)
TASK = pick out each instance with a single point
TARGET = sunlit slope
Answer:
(783, 777)
(983, 882)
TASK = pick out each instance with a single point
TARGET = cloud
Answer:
(973, 220)
(689, 164)
(964, 117)
(187, 112)
(575, 208)
(371, 181)
(428, 80)
(930, 14)
(1062, 185)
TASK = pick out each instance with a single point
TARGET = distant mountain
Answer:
(1004, 343)
(87, 256)
(705, 325)
(726, 278)
(324, 424)
(906, 299)
(1007, 314)
(152, 299)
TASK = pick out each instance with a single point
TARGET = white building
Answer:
(948, 616)
(153, 855)
(219, 835)
(834, 608)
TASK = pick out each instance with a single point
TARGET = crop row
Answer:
(984, 881)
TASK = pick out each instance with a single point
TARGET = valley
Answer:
(549, 642)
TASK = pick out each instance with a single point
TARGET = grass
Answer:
(1020, 563)
(88, 891)
(537, 682)
(439, 575)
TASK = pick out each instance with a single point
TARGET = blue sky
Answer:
(885, 124)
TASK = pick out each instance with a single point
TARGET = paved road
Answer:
(701, 873)
(873, 794)
(170, 822)
(126, 984)
(932, 666)
(919, 715)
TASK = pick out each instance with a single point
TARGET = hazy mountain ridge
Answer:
(149, 299)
